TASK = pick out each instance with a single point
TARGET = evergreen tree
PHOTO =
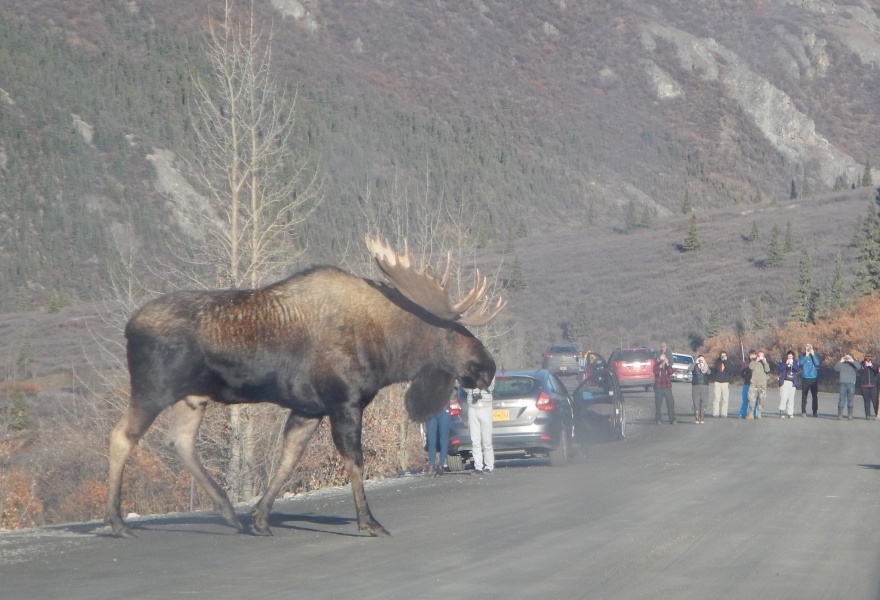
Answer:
(692, 241)
(686, 204)
(630, 220)
(759, 322)
(789, 240)
(804, 308)
(866, 246)
(758, 197)
(25, 358)
(867, 180)
(775, 255)
(793, 194)
(714, 327)
(805, 186)
(579, 327)
(839, 184)
(648, 216)
(517, 281)
(754, 234)
(834, 295)
(15, 416)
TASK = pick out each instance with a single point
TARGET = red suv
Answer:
(633, 367)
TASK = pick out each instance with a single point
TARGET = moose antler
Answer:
(426, 291)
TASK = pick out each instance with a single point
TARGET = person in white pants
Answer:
(789, 375)
(479, 403)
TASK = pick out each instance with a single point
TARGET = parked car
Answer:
(598, 402)
(561, 359)
(681, 367)
(633, 367)
(532, 416)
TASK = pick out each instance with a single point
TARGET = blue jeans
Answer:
(847, 394)
(437, 432)
(745, 402)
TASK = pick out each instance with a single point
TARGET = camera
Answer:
(476, 396)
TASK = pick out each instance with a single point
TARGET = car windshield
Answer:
(632, 355)
(514, 387)
(562, 350)
(682, 358)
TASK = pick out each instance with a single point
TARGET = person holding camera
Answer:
(868, 384)
(700, 372)
(479, 405)
(758, 385)
(847, 370)
(810, 362)
(789, 379)
(722, 374)
(746, 373)
(663, 389)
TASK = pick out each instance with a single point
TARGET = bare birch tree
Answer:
(252, 195)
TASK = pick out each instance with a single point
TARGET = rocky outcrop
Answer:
(789, 130)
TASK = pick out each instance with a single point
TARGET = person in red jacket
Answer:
(663, 389)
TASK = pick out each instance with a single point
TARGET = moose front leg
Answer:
(346, 429)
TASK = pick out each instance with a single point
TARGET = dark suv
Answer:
(633, 367)
(561, 359)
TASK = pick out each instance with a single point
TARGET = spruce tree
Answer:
(516, 281)
(686, 204)
(692, 241)
(804, 308)
(793, 194)
(867, 180)
(789, 240)
(630, 220)
(714, 327)
(579, 326)
(759, 322)
(866, 247)
(754, 234)
(775, 255)
(834, 294)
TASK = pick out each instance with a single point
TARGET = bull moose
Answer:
(320, 343)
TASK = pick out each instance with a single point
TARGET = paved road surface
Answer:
(731, 509)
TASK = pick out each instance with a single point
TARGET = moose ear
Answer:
(428, 392)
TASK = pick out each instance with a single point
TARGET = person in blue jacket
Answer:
(809, 362)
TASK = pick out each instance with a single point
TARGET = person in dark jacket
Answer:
(700, 373)
(810, 362)
(746, 373)
(663, 389)
(723, 372)
(868, 385)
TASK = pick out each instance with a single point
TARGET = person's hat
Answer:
(868, 356)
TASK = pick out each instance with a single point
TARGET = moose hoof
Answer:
(377, 531)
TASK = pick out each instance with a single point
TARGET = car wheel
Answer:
(455, 462)
(559, 457)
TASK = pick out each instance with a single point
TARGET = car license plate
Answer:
(500, 414)
(563, 368)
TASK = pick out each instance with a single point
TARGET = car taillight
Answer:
(544, 402)
(454, 408)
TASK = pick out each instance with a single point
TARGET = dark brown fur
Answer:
(320, 343)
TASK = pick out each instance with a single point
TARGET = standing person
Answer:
(758, 384)
(868, 385)
(480, 426)
(437, 434)
(746, 374)
(810, 362)
(847, 371)
(700, 372)
(722, 375)
(663, 389)
(789, 378)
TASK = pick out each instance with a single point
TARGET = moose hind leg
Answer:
(130, 428)
(346, 429)
(297, 432)
(186, 416)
